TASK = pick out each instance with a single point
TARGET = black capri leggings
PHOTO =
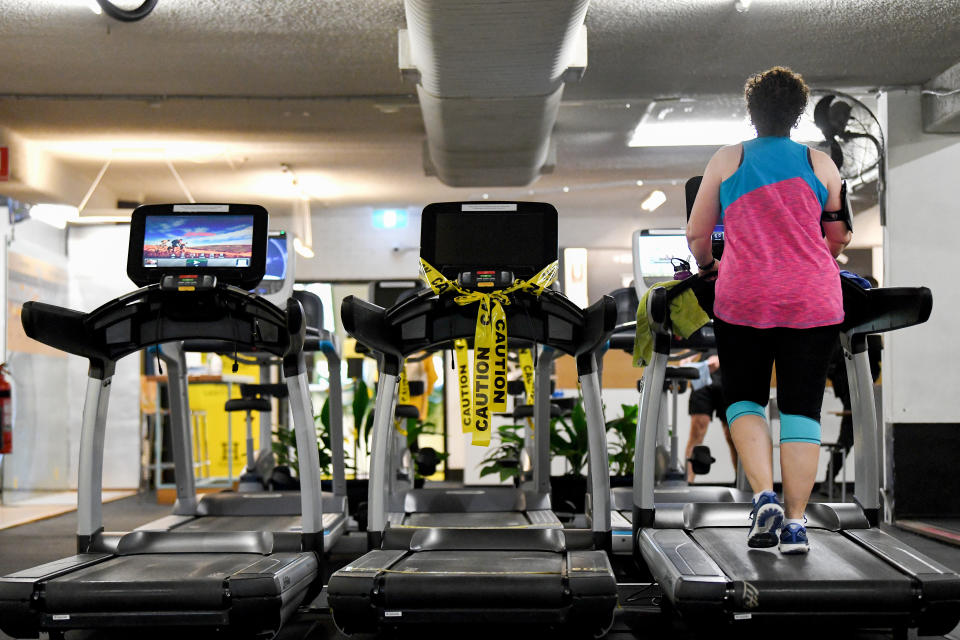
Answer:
(802, 356)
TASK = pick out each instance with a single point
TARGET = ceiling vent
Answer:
(490, 79)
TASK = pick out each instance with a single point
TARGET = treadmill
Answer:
(855, 574)
(652, 250)
(245, 581)
(473, 506)
(527, 506)
(252, 510)
(486, 573)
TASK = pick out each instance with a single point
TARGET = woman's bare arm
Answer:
(706, 208)
(836, 234)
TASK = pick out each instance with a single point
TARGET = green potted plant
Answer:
(569, 440)
(285, 451)
(504, 460)
(425, 459)
(621, 442)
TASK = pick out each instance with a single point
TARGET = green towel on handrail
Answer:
(686, 316)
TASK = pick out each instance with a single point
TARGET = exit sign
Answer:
(4, 164)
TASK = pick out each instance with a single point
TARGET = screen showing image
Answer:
(198, 241)
(655, 252)
(276, 259)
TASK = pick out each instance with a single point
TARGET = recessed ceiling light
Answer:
(639, 183)
(485, 196)
(654, 200)
(304, 250)
(566, 189)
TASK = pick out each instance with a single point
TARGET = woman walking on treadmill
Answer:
(778, 296)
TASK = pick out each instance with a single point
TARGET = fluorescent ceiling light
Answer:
(301, 248)
(101, 220)
(654, 200)
(55, 215)
(708, 133)
(145, 150)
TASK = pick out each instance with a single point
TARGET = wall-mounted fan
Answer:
(854, 139)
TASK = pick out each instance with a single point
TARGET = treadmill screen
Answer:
(655, 251)
(197, 240)
(522, 240)
(276, 258)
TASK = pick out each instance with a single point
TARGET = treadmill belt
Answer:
(943, 529)
(475, 520)
(153, 582)
(837, 574)
(243, 523)
(469, 578)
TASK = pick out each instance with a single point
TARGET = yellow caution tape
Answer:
(463, 379)
(489, 389)
(403, 391)
(403, 397)
(525, 358)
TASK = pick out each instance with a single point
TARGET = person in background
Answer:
(778, 296)
(703, 404)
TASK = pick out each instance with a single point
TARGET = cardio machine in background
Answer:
(472, 568)
(249, 581)
(654, 251)
(855, 574)
(252, 508)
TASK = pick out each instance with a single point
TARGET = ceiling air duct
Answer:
(490, 78)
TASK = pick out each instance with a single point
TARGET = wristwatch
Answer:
(704, 267)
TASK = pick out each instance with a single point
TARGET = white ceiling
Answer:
(230, 89)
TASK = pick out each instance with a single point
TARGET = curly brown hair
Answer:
(775, 99)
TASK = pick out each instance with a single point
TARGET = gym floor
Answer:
(32, 544)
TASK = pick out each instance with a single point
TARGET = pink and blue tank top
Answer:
(776, 269)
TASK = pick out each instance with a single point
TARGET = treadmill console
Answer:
(487, 245)
(197, 245)
(691, 188)
(654, 253)
(387, 293)
(278, 276)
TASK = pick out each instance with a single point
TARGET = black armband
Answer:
(845, 214)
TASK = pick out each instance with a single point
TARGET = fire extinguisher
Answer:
(6, 413)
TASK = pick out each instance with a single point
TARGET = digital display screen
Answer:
(197, 240)
(655, 251)
(482, 240)
(276, 258)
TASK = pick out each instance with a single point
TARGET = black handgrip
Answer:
(685, 284)
(885, 309)
(367, 323)
(312, 307)
(58, 327)
(297, 327)
(600, 319)
(66, 330)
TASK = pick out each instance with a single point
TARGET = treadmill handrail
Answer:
(151, 316)
(868, 311)
(428, 321)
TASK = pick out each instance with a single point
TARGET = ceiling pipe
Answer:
(490, 79)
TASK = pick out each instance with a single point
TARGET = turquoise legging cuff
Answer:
(796, 428)
(793, 427)
(743, 408)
